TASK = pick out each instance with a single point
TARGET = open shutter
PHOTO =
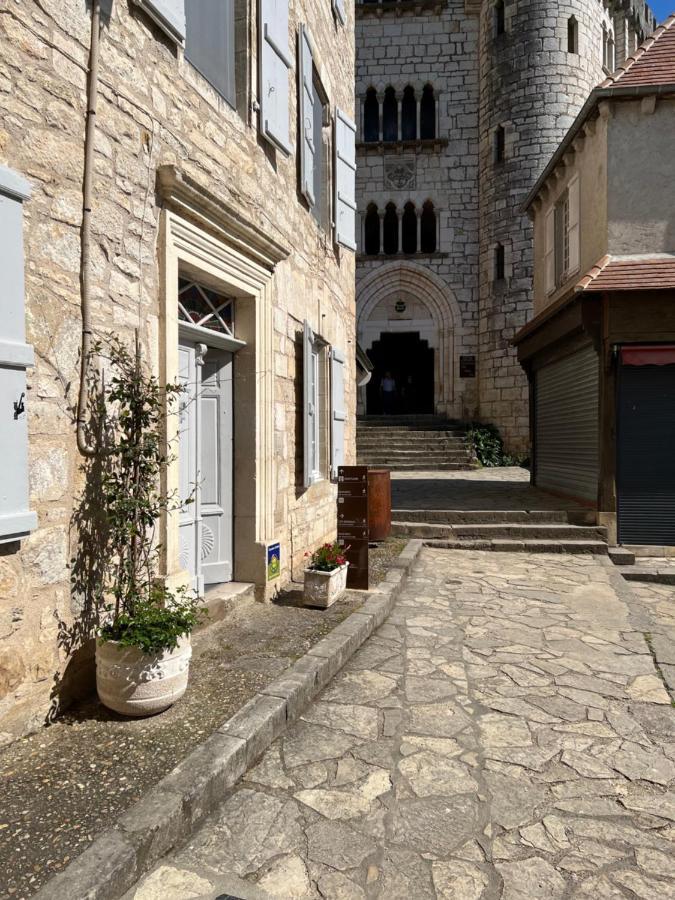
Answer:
(337, 411)
(16, 520)
(340, 11)
(307, 145)
(274, 65)
(345, 180)
(573, 225)
(168, 14)
(309, 412)
(549, 254)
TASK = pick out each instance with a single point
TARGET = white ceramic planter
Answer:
(134, 683)
(322, 589)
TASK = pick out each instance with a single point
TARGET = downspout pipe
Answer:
(85, 448)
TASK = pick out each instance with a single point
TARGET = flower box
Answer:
(322, 589)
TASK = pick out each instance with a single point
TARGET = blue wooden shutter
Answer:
(16, 520)
(209, 43)
(274, 65)
(169, 15)
(337, 411)
(309, 411)
(340, 11)
(306, 115)
(345, 180)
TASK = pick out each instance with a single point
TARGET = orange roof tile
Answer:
(652, 63)
(630, 273)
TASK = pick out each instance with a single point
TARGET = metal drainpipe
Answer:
(83, 446)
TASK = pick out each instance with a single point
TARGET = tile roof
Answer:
(652, 63)
(630, 273)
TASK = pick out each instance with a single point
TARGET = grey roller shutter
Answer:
(168, 14)
(274, 65)
(16, 519)
(567, 425)
(645, 454)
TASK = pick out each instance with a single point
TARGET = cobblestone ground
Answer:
(504, 734)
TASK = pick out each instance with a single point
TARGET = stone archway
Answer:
(403, 296)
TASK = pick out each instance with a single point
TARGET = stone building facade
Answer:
(205, 190)
(508, 79)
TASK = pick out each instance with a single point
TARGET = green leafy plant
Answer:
(139, 610)
(327, 558)
(488, 447)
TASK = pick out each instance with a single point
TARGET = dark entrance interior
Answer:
(410, 361)
(645, 441)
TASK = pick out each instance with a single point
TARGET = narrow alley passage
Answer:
(504, 734)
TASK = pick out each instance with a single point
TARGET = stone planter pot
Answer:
(134, 683)
(322, 589)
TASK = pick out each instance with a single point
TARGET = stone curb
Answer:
(174, 808)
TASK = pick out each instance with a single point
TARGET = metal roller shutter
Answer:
(646, 455)
(567, 425)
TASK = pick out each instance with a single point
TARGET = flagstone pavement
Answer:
(504, 734)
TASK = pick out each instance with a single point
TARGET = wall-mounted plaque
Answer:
(467, 367)
(399, 174)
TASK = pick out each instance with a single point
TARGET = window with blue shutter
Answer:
(209, 43)
(340, 11)
(274, 65)
(168, 14)
(16, 520)
(345, 180)
(337, 411)
(310, 404)
(306, 117)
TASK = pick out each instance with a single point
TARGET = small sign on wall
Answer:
(467, 367)
(273, 561)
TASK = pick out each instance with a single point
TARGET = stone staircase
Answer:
(412, 443)
(536, 531)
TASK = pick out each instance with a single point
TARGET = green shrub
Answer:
(488, 446)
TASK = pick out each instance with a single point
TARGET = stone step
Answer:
(410, 431)
(420, 466)
(599, 548)
(495, 516)
(423, 420)
(413, 455)
(411, 446)
(621, 557)
(221, 599)
(648, 574)
(501, 531)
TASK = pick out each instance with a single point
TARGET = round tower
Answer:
(538, 63)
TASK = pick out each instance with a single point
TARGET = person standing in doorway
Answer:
(388, 392)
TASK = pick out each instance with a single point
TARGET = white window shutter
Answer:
(573, 226)
(345, 180)
(306, 115)
(274, 65)
(549, 253)
(16, 519)
(337, 411)
(340, 11)
(168, 14)
(309, 412)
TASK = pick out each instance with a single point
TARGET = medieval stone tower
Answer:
(462, 103)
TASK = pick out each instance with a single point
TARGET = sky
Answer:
(662, 8)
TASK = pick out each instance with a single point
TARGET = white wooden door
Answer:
(205, 463)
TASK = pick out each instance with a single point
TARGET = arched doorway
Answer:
(407, 360)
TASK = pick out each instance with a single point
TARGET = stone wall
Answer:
(154, 110)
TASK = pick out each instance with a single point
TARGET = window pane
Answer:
(202, 306)
(209, 42)
(371, 116)
(390, 116)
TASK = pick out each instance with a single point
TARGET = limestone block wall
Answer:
(155, 109)
(435, 44)
(533, 87)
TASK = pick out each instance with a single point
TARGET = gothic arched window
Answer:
(428, 228)
(390, 115)
(409, 115)
(428, 113)
(372, 231)
(390, 229)
(409, 228)
(371, 116)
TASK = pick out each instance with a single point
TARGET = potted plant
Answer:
(143, 649)
(326, 575)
